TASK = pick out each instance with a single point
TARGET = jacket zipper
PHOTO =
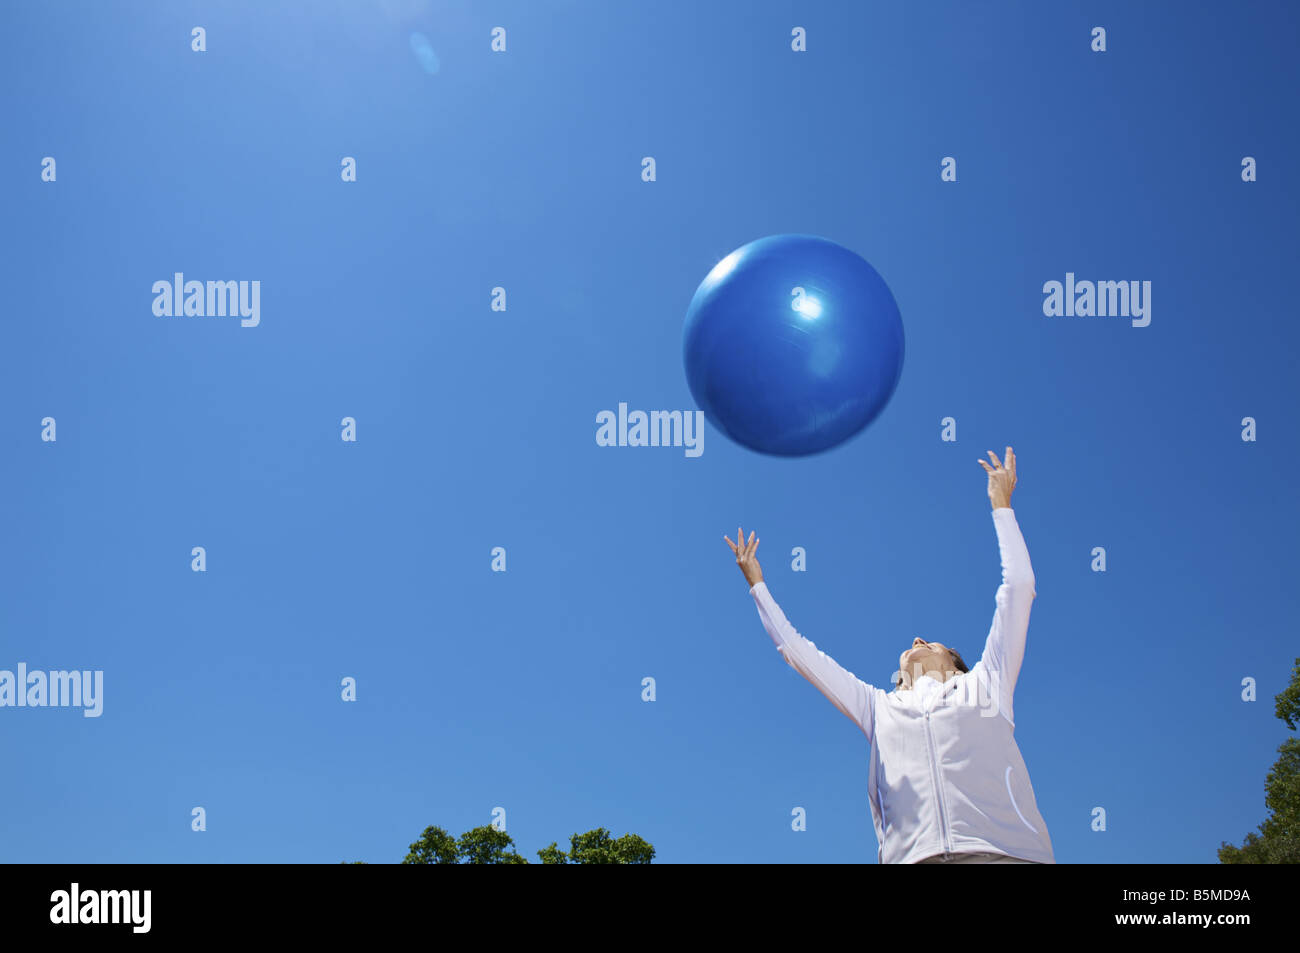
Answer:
(934, 772)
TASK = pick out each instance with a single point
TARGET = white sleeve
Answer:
(845, 690)
(1005, 649)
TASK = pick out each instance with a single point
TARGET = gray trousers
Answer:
(975, 857)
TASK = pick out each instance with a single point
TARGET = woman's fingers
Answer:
(741, 548)
(1009, 464)
(985, 465)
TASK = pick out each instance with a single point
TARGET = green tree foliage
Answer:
(1278, 840)
(487, 845)
(598, 847)
(435, 846)
(482, 845)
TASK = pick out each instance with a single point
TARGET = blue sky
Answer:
(521, 169)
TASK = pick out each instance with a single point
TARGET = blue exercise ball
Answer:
(792, 345)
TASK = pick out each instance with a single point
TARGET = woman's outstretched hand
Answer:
(1001, 480)
(745, 557)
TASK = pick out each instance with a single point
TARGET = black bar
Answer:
(327, 903)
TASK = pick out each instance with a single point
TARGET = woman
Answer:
(947, 783)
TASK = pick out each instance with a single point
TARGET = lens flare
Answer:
(423, 51)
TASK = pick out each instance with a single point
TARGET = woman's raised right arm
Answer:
(850, 694)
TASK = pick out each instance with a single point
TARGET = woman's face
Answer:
(925, 658)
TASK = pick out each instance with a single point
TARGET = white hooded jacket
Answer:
(946, 775)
